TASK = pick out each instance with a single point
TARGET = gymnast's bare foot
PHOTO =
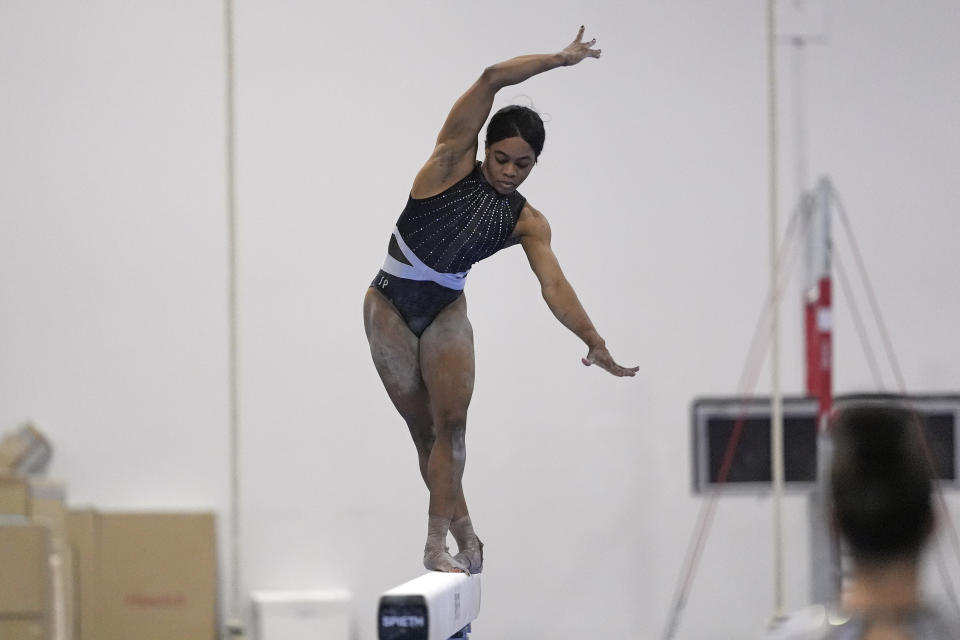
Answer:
(468, 544)
(441, 560)
(471, 555)
(436, 555)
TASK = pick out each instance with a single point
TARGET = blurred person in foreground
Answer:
(881, 508)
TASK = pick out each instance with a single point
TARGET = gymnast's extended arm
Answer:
(456, 147)
(534, 233)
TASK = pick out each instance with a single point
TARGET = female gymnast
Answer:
(415, 315)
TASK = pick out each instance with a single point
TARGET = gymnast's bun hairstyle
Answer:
(516, 120)
(880, 480)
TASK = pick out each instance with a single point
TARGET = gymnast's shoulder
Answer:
(531, 223)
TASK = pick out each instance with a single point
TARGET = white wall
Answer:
(113, 276)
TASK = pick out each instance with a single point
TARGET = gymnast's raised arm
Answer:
(456, 149)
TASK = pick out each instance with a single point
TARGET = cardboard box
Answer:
(61, 605)
(82, 537)
(22, 628)
(14, 495)
(26, 450)
(25, 581)
(48, 506)
(145, 576)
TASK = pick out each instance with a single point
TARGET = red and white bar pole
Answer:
(826, 573)
(818, 303)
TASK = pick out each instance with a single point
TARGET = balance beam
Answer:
(435, 606)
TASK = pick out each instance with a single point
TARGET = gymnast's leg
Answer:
(396, 355)
(447, 368)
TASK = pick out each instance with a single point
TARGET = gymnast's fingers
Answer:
(621, 371)
(629, 372)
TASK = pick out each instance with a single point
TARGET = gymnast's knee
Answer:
(423, 436)
(452, 427)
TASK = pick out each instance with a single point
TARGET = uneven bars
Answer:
(435, 606)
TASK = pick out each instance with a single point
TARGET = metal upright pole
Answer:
(234, 619)
(824, 550)
(776, 422)
(818, 304)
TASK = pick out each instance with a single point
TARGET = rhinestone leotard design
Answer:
(438, 239)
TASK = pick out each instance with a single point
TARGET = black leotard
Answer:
(438, 239)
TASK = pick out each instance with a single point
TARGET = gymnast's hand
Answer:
(599, 356)
(578, 50)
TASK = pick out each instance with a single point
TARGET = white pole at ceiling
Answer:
(776, 409)
(234, 619)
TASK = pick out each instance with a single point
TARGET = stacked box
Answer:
(25, 581)
(150, 576)
(14, 495)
